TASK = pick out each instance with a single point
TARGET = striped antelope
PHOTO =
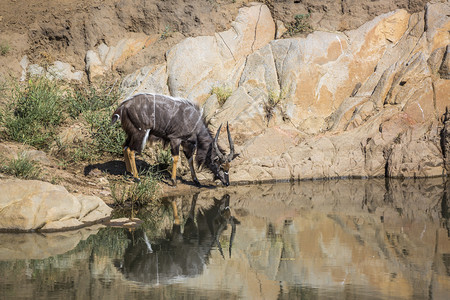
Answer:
(175, 121)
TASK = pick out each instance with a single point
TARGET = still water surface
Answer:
(348, 239)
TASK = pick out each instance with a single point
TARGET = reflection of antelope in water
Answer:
(175, 121)
(183, 254)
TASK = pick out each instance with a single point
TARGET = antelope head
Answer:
(220, 165)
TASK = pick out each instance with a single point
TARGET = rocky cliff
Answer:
(358, 103)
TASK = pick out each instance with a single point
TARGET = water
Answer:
(348, 239)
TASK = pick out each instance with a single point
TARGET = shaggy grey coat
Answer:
(175, 121)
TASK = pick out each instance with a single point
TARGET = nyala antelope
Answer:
(177, 122)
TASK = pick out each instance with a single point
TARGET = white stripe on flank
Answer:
(195, 126)
(144, 141)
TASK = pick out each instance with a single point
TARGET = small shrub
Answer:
(96, 105)
(21, 167)
(3, 87)
(139, 194)
(4, 48)
(106, 138)
(75, 153)
(167, 33)
(299, 25)
(81, 99)
(34, 113)
(222, 93)
(163, 158)
(275, 98)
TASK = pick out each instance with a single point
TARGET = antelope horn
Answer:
(230, 141)
(216, 148)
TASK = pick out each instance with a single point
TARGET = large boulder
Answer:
(101, 61)
(40, 206)
(197, 64)
(149, 79)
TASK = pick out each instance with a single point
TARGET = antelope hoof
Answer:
(173, 182)
(196, 182)
(136, 179)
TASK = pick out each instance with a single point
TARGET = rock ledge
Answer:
(32, 205)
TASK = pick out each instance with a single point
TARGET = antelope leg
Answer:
(191, 167)
(131, 157)
(174, 169)
(127, 159)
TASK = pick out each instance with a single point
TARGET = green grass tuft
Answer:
(21, 167)
(163, 158)
(4, 48)
(139, 194)
(222, 93)
(167, 33)
(34, 113)
(275, 99)
(106, 138)
(299, 25)
(81, 99)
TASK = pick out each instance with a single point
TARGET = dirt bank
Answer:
(65, 30)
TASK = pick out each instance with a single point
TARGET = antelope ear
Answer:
(235, 155)
(114, 119)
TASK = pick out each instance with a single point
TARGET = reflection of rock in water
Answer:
(182, 254)
(383, 235)
(42, 246)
